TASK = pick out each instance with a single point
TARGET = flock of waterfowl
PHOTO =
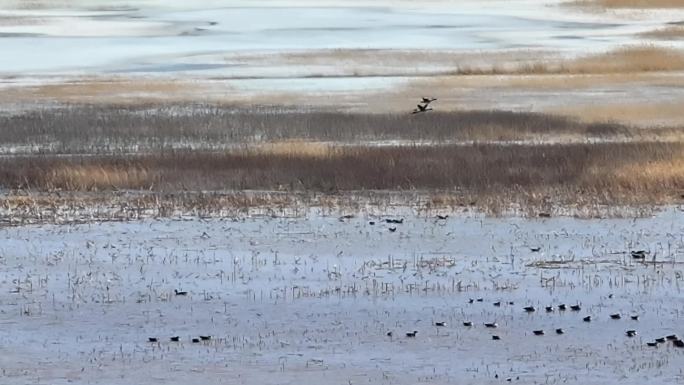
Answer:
(676, 341)
(635, 254)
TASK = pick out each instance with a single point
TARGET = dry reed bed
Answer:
(111, 129)
(637, 4)
(624, 60)
(610, 172)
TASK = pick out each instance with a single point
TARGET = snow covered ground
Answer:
(310, 299)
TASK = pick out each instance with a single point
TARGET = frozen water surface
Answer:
(157, 37)
(312, 298)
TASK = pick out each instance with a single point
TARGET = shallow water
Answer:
(160, 38)
(311, 298)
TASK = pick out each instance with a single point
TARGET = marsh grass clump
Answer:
(157, 128)
(634, 4)
(642, 171)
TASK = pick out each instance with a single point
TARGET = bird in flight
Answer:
(421, 108)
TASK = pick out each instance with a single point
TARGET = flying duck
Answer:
(421, 108)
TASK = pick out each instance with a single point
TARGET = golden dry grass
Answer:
(291, 148)
(667, 174)
(656, 114)
(647, 172)
(629, 59)
(98, 177)
(637, 4)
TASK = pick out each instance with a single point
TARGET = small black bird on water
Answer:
(175, 339)
(560, 331)
(205, 338)
(535, 249)
(491, 324)
(195, 340)
(471, 300)
(440, 323)
(180, 292)
(587, 318)
(660, 340)
(672, 337)
(549, 309)
(678, 343)
(631, 333)
(529, 309)
(389, 334)
(615, 316)
(575, 307)
(635, 317)
(497, 304)
(153, 339)
(562, 307)
(496, 338)
(392, 229)
(442, 217)
(411, 334)
(651, 344)
(639, 254)
(538, 332)
(467, 323)
(396, 221)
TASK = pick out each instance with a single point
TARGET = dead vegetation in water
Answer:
(157, 128)
(605, 172)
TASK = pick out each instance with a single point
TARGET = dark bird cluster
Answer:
(423, 106)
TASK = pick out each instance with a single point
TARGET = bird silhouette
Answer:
(421, 108)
